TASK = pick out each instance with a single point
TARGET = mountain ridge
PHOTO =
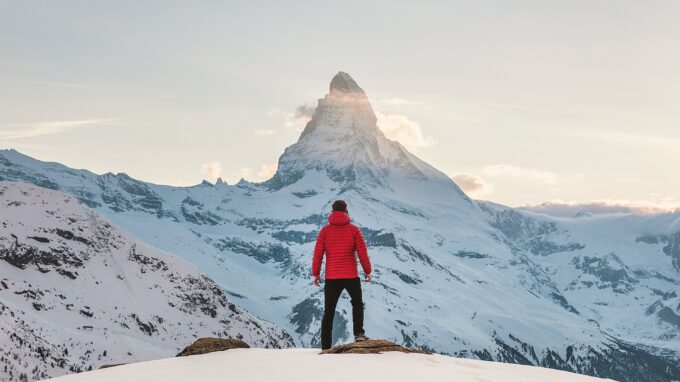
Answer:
(77, 292)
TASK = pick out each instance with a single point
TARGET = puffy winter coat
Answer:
(340, 240)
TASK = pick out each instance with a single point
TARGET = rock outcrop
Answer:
(371, 347)
(209, 345)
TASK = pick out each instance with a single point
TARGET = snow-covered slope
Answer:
(474, 279)
(306, 365)
(77, 292)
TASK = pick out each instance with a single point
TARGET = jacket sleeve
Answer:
(360, 245)
(319, 250)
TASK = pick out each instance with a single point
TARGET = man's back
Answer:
(339, 240)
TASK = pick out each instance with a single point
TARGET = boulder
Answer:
(209, 345)
(371, 346)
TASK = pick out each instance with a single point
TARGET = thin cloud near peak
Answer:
(213, 169)
(473, 185)
(404, 130)
(543, 176)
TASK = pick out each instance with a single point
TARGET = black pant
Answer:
(332, 290)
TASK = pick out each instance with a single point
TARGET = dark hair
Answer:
(339, 205)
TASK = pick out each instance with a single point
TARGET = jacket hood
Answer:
(338, 218)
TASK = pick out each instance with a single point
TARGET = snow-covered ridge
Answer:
(306, 365)
(76, 292)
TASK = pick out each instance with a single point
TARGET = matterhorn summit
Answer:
(343, 142)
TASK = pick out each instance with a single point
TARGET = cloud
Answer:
(473, 185)
(400, 102)
(546, 177)
(395, 126)
(22, 131)
(263, 132)
(295, 119)
(628, 138)
(213, 169)
(652, 205)
(267, 171)
(244, 173)
(404, 130)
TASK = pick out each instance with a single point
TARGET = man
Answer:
(340, 240)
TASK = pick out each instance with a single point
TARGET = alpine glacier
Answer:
(595, 295)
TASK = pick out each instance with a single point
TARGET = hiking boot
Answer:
(360, 337)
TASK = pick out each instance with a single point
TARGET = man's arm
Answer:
(319, 250)
(360, 245)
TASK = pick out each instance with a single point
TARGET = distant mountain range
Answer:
(596, 294)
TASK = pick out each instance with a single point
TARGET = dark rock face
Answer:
(609, 269)
(210, 345)
(262, 252)
(524, 233)
(378, 238)
(25, 255)
(305, 313)
(672, 249)
(671, 245)
(342, 82)
(193, 211)
(371, 347)
(112, 365)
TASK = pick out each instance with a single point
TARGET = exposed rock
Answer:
(111, 365)
(371, 347)
(209, 345)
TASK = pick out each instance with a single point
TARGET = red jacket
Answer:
(340, 240)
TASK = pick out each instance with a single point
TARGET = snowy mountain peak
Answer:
(343, 82)
(342, 142)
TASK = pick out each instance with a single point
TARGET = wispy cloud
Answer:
(267, 171)
(295, 119)
(244, 173)
(404, 130)
(212, 170)
(546, 177)
(31, 130)
(52, 84)
(401, 102)
(264, 132)
(563, 208)
(395, 126)
(628, 138)
(473, 185)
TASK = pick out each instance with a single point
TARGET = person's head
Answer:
(340, 205)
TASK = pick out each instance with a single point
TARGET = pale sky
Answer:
(521, 101)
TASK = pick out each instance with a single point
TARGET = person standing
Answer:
(341, 241)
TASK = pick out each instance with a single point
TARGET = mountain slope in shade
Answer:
(306, 365)
(453, 275)
(76, 292)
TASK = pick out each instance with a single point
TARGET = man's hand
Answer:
(369, 277)
(317, 279)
